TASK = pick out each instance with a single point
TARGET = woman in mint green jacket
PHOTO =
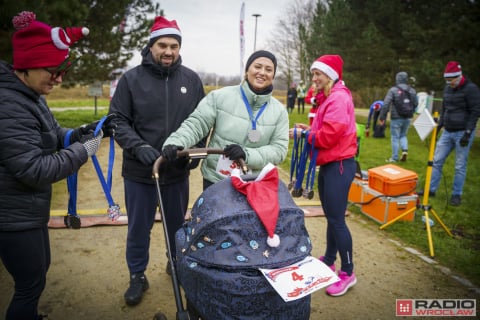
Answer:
(244, 119)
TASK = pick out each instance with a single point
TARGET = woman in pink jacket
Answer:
(333, 133)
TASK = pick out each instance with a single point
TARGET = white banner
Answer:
(242, 38)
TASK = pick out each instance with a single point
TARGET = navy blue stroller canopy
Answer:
(221, 248)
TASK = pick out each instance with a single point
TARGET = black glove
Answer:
(108, 129)
(465, 139)
(109, 125)
(169, 152)
(146, 154)
(234, 152)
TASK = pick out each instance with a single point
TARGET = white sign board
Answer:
(300, 279)
(424, 124)
(95, 89)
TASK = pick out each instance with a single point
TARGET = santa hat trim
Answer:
(325, 68)
(164, 32)
(452, 74)
(55, 32)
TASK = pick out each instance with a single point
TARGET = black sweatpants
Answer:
(26, 256)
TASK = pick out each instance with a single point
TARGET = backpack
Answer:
(404, 104)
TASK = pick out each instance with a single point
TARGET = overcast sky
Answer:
(210, 31)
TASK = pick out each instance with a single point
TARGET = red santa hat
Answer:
(262, 195)
(165, 28)
(330, 64)
(453, 69)
(37, 45)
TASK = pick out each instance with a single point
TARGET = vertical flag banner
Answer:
(242, 38)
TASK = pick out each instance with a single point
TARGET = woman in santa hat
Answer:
(33, 154)
(333, 133)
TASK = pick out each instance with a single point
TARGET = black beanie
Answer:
(265, 54)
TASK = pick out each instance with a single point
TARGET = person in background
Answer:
(246, 120)
(374, 112)
(301, 91)
(399, 124)
(32, 154)
(333, 133)
(291, 97)
(458, 118)
(151, 101)
(311, 99)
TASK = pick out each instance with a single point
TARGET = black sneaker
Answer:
(134, 293)
(404, 156)
(455, 200)
(422, 192)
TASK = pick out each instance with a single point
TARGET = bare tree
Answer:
(288, 41)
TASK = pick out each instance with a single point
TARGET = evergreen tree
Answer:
(117, 29)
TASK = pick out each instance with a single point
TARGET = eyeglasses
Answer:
(55, 73)
(61, 70)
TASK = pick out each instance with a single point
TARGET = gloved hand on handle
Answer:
(235, 152)
(169, 152)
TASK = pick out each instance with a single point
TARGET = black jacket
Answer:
(460, 107)
(151, 102)
(31, 155)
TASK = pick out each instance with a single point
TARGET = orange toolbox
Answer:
(392, 180)
(382, 208)
(355, 195)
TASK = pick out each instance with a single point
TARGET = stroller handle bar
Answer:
(195, 153)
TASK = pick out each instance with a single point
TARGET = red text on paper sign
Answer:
(297, 291)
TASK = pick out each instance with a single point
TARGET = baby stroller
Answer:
(221, 248)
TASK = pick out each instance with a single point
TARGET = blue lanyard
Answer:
(312, 166)
(106, 185)
(250, 112)
(294, 161)
(302, 163)
(71, 183)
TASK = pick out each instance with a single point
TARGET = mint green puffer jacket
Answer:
(224, 112)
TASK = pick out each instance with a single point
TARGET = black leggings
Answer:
(26, 256)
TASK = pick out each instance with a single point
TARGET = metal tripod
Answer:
(425, 206)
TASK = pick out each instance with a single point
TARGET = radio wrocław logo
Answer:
(436, 307)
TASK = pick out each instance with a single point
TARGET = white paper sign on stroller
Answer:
(300, 279)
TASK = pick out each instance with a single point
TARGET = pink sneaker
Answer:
(332, 267)
(339, 288)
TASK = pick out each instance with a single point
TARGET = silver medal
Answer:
(254, 135)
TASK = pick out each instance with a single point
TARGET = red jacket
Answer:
(334, 126)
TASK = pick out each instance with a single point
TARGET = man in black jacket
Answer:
(151, 101)
(33, 154)
(458, 118)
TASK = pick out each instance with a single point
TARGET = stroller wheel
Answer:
(159, 316)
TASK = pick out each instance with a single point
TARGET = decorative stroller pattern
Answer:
(220, 250)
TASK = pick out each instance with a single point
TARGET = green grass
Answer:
(461, 254)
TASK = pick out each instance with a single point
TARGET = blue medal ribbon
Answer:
(249, 109)
(71, 182)
(106, 185)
